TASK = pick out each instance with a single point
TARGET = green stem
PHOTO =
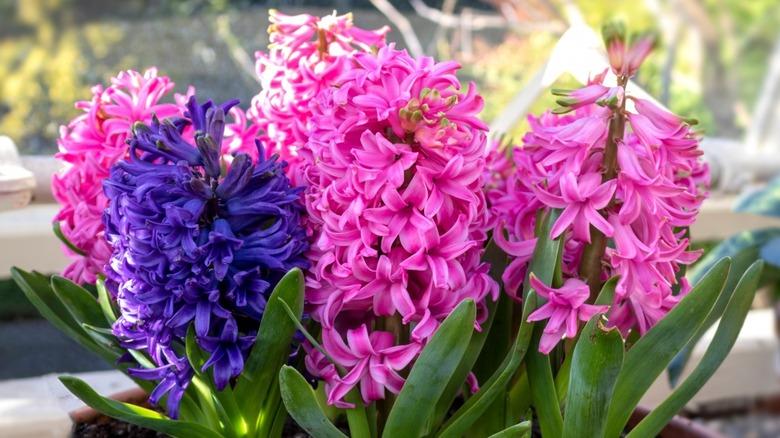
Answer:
(393, 324)
(593, 253)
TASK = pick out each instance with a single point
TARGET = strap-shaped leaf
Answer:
(744, 249)
(58, 232)
(81, 304)
(605, 298)
(430, 373)
(135, 414)
(547, 254)
(645, 361)
(515, 431)
(545, 397)
(302, 405)
(469, 358)
(725, 337)
(110, 310)
(596, 362)
(271, 349)
(543, 262)
(224, 401)
(40, 293)
(472, 410)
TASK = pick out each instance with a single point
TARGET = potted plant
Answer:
(435, 288)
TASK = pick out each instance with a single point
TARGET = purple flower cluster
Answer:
(196, 241)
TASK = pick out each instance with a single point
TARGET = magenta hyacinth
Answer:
(96, 140)
(92, 143)
(396, 168)
(564, 310)
(307, 54)
(628, 181)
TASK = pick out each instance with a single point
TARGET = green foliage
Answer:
(251, 408)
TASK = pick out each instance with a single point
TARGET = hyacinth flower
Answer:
(306, 55)
(397, 216)
(629, 180)
(90, 144)
(96, 140)
(196, 245)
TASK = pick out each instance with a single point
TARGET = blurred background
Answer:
(718, 61)
(711, 63)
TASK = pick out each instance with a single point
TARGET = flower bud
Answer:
(614, 35)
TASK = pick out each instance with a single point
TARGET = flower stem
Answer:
(393, 324)
(593, 253)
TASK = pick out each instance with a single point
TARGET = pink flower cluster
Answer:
(92, 143)
(95, 140)
(395, 168)
(307, 54)
(658, 186)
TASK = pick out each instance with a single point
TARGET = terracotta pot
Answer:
(679, 427)
(86, 414)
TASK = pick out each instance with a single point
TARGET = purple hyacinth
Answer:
(194, 243)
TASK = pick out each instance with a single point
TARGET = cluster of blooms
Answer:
(96, 140)
(395, 168)
(200, 221)
(194, 245)
(657, 185)
(92, 143)
(307, 54)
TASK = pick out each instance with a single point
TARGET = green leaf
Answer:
(547, 252)
(544, 264)
(545, 397)
(431, 372)
(544, 261)
(58, 232)
(597, 358)
(725, 337)
(475, 406)
(469, 358)
(135, 414)
(108, 306)
(299, 399)
(225, 403)
(662, 343)
(259, 379)
(517, 430)
(81, 304)
(743, 249)
(40, 293)
(605, 298)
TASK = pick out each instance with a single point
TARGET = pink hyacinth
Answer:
(640, 189)
(91, 144)
(395, 165)
(565, 309)
(307, 54)
(95, 140)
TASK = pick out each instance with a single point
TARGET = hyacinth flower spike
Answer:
(629, 182)
(397, 214)
(196, 246)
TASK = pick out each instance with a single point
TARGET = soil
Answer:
(106, 427)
